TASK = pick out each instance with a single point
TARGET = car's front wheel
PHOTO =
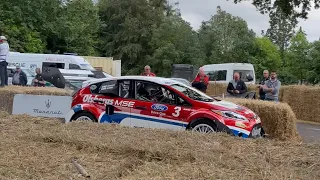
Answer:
(203, 126)
(84, 116)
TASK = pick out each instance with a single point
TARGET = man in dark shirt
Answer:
(262, 82)
(236, 86)
(38, 80)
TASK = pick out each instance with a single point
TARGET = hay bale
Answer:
(7, 94)
(278, 119)
(217, 89)
(36, 148)
(304, 101)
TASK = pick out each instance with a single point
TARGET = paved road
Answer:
(309, 132)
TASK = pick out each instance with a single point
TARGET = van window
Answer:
(56, 65)
(244, 73)
(74, 66)
(220, 75)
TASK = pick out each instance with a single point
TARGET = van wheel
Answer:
(203, 126)
(84, 116)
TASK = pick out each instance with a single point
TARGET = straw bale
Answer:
(278, 119)
(304, 101)
(217, 89)
(7, 94)
(37, 148)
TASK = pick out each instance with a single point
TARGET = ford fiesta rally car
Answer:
(154, 102)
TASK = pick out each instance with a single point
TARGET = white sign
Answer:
(41, 105)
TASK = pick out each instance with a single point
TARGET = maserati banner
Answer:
(41, 105)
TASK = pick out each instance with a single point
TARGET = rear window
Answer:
(219, 75)
(108, 87)
(244, 74)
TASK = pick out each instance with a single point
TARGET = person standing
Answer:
(38, 80)
(19, 77)
(4, 51)
(201, 81)
(236, 86)
(147, 71)
(262, 82)
(272, 87)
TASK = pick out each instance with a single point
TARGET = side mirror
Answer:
(109, 109)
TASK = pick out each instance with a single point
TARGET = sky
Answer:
(196, 11)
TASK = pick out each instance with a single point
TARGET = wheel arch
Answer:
(208, 120)
(83, 111)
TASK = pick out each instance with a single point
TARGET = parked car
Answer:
(155, 102)
(184, 81)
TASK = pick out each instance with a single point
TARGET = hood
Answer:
(235, 108)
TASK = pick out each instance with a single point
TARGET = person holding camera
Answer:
(236, 86)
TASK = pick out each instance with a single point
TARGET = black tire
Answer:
(84, 114)
(205, 123)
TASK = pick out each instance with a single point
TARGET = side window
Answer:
(124, 89)
(244, 74)
(146, 91)
(74, 66)
(182, 102)
(220, 75)
(109, 88)
(56, 65)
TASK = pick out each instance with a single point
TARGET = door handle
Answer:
(141, 107)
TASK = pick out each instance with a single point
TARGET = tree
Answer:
(174, 42)
(267, 56)
(313, 75)
(226, 39)
(126, 30)
(299, 55)
(287, 6)
(281, 30)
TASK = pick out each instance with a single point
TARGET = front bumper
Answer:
(256, 132)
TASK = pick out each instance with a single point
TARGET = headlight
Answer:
(230, 114)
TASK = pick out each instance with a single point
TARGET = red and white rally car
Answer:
(155, 102)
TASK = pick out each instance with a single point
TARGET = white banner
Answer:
(41, 105)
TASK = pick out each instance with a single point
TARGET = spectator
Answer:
(38, 80)
(147, 71)
(4, 51)
(236, 86)
(272, 87)
(262, 82)
(19, 77)
(201, 81)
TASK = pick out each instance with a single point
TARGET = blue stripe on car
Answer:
(236, 133)
(77, 108)
(118, 117)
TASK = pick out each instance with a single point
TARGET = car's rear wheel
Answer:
(203, 126)
(84, 116)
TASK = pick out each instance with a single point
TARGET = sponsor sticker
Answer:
(158, 113)
(106, 101)
(159, 107)
(240, 124)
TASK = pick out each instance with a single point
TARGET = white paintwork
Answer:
(239, 129)
(230, 68)
(32, 61)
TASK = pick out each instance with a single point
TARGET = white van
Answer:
(223, 73)
(32, 61)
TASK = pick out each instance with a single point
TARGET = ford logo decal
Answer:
(159, 107)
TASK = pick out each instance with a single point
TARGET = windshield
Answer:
(87, 67)
(192, 93)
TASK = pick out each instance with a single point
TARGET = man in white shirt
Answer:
(4, 52)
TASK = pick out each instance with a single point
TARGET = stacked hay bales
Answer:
(304, 101)
(7, 94)
(36, 148)
(217, 89)
(278, 119)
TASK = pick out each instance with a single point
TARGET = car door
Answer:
(156, 107)
(114, 101)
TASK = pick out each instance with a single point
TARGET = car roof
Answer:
(158, 80)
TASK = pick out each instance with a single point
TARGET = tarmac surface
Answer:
(310, 133)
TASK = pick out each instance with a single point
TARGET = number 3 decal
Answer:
(176, 112)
